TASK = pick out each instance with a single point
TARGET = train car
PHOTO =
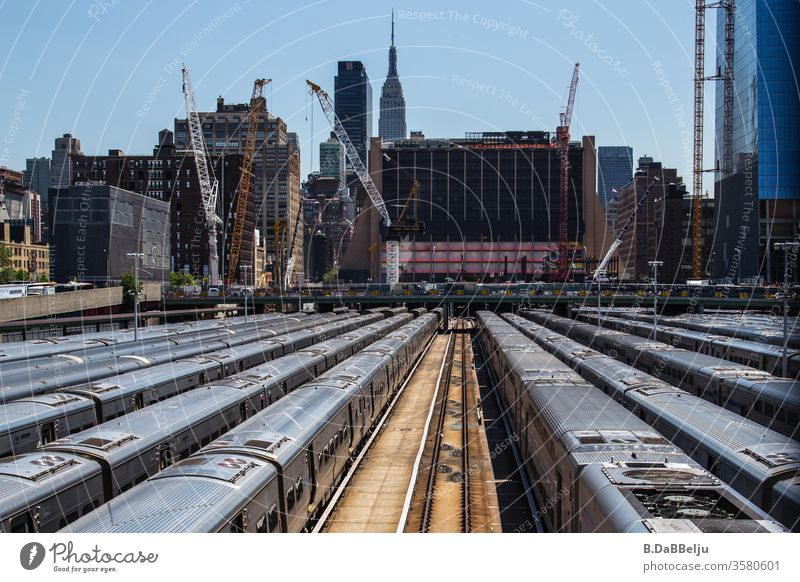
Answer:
(274, 472)
(65, 370)
(145, 442)
(26, 423)
(766, 357)
(601, 468)
(762, 465)
(769, 400)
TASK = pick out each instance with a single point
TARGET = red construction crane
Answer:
(562, 141)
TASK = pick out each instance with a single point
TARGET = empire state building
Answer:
(392, 122)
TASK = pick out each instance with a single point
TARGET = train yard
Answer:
(390, 420)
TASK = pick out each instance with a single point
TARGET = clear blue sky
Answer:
(108, 71)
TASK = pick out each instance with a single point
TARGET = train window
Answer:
(290, 499)
(768, 410)
(319, 459)
(326, 453)
(791, 418)
(261, 524)
(272, 518)
(300, 488)
(23, 523)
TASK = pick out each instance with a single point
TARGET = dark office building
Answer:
(489, 201)
(353, 104)
(757, 196)
(614, 170)
(171, 175)
(660, 217)
(94, 226)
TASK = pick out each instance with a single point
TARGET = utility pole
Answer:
(136, 257)
(787, 248)
(655, 265)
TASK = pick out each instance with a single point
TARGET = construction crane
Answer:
(290, 259)
(562, 141)
(246, 180)
(209, 187)
(601, 268)
(727, 120)
(392, 245)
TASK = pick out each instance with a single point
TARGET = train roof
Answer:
(193, 495)
(25, 479)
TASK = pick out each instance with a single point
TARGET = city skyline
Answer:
(456, 72)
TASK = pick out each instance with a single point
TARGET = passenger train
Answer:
(50, 488)
(49, 374)
(761, 464)
(29, 423)
(766, 357)
(599, 467)
(771, 401)
(276, 471)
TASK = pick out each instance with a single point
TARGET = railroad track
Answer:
(446, 501)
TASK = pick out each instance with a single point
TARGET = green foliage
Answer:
(179, 279)
(331, 276)
(128, 283)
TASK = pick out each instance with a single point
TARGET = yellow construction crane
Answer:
(246, 180)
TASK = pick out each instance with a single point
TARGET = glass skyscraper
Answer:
(757, 203)
(353, 104)
(614, 170)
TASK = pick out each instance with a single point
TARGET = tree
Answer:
(180, 278)
(6, 272)
(128, 283)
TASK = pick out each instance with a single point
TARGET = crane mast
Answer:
(392, 246)
(246, 181)
(562, 139)
(209, 186)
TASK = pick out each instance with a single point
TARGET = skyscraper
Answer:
(353, 104)
(66, 148)
(758, 201)
(614, 170)
(36, 176)
(276, 166)
(392, 121)
(332, 160)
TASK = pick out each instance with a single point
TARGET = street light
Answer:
(787, 248)
(136, 257)
(655, 265)
(245, 269)
(433, 260)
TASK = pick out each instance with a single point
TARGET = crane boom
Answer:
(246, 181)
(563, 198)
(352, 155)
(392, 246)
(209, 186)
(601, 268)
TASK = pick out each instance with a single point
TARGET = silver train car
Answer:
(771, 401)
(276, 471)
(761, 464)
(29, 423)
(766, 357)
(597, 466)
(66, 370)
(764, 329)
(82, 344)
(127, 451)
